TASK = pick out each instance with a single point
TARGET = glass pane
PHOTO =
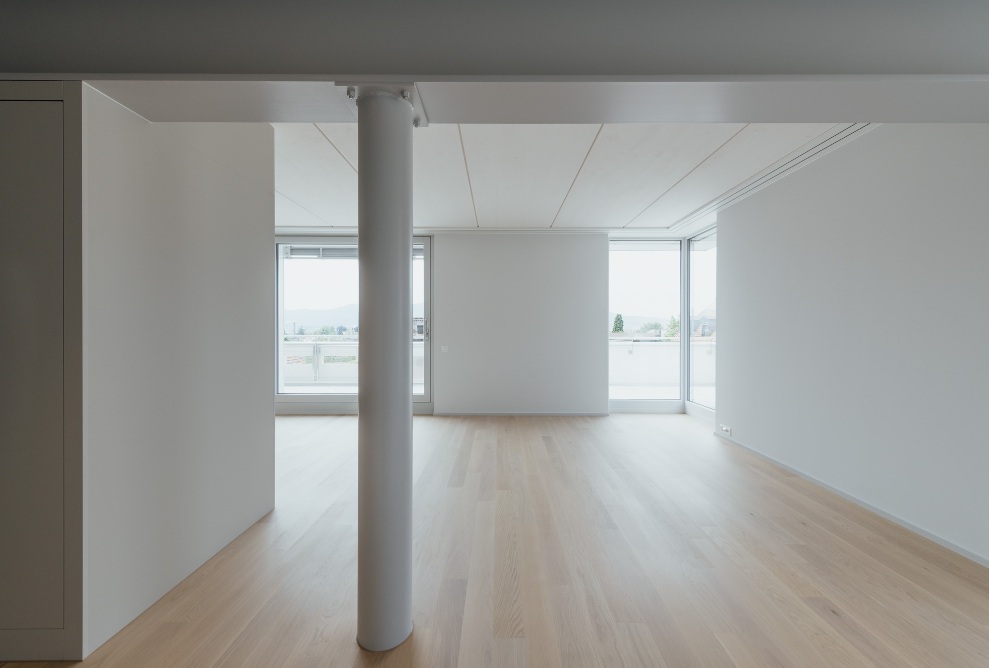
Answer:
(644, 320)
(319, 319)
(703, 318)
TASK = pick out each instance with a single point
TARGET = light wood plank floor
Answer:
(629, 540)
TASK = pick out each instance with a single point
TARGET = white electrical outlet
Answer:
(725, 429)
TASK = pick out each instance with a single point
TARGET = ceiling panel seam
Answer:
(577, 175)
(729, 196)
(470, 185)
(335, 147)
(314, 215)
(678, 181)
(783, 166)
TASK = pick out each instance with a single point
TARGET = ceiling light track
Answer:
(790, 163)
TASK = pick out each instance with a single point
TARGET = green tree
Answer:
(673, 328)
(619, 326)
(325, 329)
(651, 326)
(341, 329)
(302, 330)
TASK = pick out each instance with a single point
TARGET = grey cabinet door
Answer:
(31, 366)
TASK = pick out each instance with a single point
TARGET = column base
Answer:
(383, 646)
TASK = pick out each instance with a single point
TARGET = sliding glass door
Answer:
(318, 318)
(644, 321)
(703, 330)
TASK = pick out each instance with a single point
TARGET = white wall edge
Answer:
(700, 412)
(662, 406)
(947, 544)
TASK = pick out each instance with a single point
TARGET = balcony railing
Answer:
(325, 364)
(638, 367)
(649, 367)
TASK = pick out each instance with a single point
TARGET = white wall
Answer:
(178, 293)
(524, 318)
(852, 316)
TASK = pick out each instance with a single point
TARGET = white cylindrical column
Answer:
(384, 516)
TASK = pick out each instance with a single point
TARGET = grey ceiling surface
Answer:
(510, 38)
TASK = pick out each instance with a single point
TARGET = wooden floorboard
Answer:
(629, 540)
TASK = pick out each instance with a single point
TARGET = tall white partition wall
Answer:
(178, 287)
(852, 314)
(520, 323)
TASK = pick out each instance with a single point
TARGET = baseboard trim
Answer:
(336, 408)
(698, 411)
(659, 406)
(909, 526)
(498, 414)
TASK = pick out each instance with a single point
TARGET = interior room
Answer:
(695, 367)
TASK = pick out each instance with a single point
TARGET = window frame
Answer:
(651, 405)
(692, 407)
(309, 403)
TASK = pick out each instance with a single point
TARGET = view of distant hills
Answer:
(347, 316)
(310, 319)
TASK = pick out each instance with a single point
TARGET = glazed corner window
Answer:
(703, 317)
(644, 320)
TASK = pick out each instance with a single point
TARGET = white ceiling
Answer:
(820, 99)
(645, 157)
(645, 177)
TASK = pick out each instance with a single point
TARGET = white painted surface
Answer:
(721, 99)
(521, 174)
(316, 167)
(441, 190)
(291, 214)
(232, 101)
(343, 137)
(743, 155)
(742, 98)
(850, 314)
(517, 321)
(384, 376)
(314, 177)
(536, 176)
(631, 166)
(178, 285)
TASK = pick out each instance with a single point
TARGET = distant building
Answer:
(704, 323)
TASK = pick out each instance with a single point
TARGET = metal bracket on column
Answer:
(406, 90)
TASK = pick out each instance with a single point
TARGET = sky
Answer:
(327, 284)
(647, 282)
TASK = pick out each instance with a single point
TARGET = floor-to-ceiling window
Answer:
(703, 317)
(644, 320)
(318, 326)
